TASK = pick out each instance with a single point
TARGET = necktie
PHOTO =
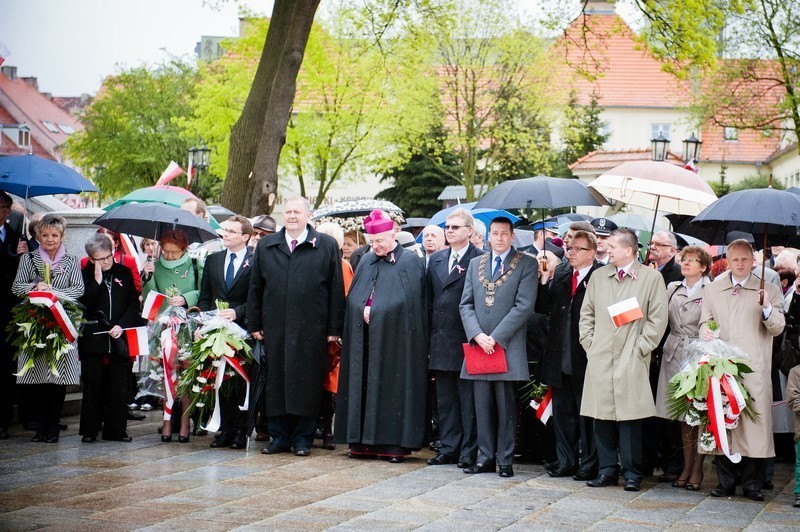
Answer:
(230, 273)
(455, 261)
(737, 289)
(575, 275)
(621, 274)
(498, 263)
(294, 245)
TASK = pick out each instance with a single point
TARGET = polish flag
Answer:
(545, 409)
(189, 175)
(625, 312)
(4, 53)
(152, 305)
(172, 171)
(137, 341)
(129, 248)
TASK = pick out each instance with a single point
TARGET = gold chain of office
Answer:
(491, 286)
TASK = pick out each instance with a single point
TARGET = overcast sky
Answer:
(71, 45)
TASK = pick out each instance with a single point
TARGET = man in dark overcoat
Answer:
(226, 278)
(9, 261)
(563, 365)
(454, 396)
(380, 405)
(295, 306)
(498, 299)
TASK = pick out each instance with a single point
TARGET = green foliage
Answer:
(420, 180)
(582, 128)
(132, 127)
(756, 181)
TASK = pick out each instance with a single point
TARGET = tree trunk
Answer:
(257, 137)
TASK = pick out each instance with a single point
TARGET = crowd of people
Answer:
(372, 341)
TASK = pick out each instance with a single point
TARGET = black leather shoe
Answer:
(632, 485)
(754, 495)
(133, 416)
(239, 442)
(273, 448)
(442, 459)
(88, 439)
(480, 468)
(54, 439)
(551, 465)
(561, 472)
(506, 471)
(3, 434)
(768, 485)
(223, 439)
(37, 438)
(302, 451)
(166, 439)
(796, 501)
(463, 464)
(183, 439)
(602, 481)
(583, 475)
(123, 439)
(720, 491)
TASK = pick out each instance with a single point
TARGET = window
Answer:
(50, 126)
(731, 133)
(24, 138)
(660, 129)
(66, 129)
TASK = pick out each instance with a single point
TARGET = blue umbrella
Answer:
(484, 215)
(29, 175)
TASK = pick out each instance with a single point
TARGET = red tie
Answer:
(621, 274)
(575, 275)
(294, 245)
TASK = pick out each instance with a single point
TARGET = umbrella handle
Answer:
(763, 267)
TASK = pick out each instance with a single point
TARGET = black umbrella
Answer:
(540, 192)
(771, 216)
(150, 220)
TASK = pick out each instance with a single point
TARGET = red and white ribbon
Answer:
(50, 300)
(545, 409)
(716, 418)
(169, 351)
(152, 304)
(216, 417)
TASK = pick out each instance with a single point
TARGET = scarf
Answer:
(173, 264)
(45, 256)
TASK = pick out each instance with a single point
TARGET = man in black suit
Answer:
(226, 277)
(454, 396)
(10, 249)
(563, 366)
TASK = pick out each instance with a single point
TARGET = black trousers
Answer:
(292, 431)
(751, 469)
(575, 446)
(231, 396)
(455, 399)
(625, 438)
(8, 382)
(48, 404)
(105, 395)
(496, 419)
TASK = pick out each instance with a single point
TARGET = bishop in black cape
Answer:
(380, 406)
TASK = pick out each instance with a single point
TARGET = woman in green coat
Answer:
(178, 276)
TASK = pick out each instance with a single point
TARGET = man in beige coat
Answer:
(616, 391)
(732, 302)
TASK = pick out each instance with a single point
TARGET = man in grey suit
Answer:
(499, 296)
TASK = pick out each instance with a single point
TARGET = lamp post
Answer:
(691, 151)
(199, 159)
(659, 147)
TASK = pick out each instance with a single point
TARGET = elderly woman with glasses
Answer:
(49, 260)
(112, 304)
(178, 276)
(685, 305)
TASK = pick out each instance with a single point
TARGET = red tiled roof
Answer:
(601, 160)
(626, 74)
(752, 146)
(9, 147)
(27, 105)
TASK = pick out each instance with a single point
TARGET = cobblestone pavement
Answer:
(150, 485)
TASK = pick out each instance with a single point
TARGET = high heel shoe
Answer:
(692, 486)
(183, 439)
(166, 439)
(680, 482)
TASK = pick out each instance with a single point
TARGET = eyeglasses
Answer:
(691, 259)
(104, 259)
(454, 227)
(172, 253)
(570, 249)
(231, 231)
(660, 245)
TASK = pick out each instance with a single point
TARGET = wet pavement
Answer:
(149, 485)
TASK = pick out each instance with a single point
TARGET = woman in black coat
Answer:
(112, 303)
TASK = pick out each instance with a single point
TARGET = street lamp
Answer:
(691, 149)
(659, 147)
(199, 159)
